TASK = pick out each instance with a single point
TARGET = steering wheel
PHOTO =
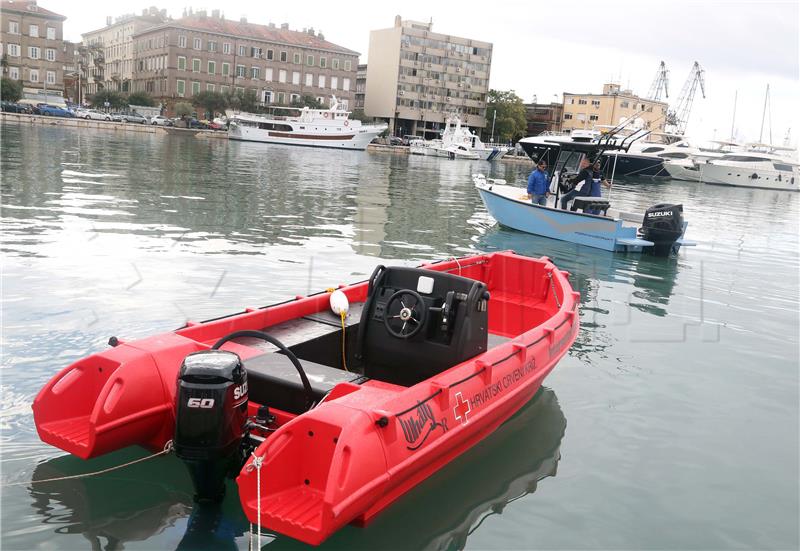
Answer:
(289, 354)
(404, 314)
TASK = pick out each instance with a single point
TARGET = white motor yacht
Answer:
(458, 142)
(754, 169)
(303, 126)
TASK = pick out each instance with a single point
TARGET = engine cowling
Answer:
(663, 225)
(210, 418)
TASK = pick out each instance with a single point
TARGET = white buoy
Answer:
(339, 303)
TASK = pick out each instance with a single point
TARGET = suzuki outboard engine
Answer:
(663, 225)
(210, 417)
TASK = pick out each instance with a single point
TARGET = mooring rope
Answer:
(167, 449)
(256, 464)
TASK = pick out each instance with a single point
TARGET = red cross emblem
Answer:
(462, 409)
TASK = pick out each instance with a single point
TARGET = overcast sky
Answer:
(545, 48)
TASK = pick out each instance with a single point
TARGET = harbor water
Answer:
(672, 423)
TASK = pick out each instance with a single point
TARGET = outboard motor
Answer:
(663, 225)
(210, 417)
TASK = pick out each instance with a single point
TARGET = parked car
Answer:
(128, 116)
(11, 107)
(160, 120)
(394, 140)
(54, 111)
(93, 114)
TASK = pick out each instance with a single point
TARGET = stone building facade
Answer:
(586, 111)
(199, 52)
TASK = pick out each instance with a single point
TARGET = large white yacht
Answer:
(303, 126)
(457, 142)
(753, 169)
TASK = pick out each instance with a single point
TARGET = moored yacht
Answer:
(458, 142)
(753, 169)
(303, 126)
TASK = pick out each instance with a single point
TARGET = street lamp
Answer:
(494, 119)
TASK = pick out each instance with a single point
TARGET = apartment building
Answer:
(543, 117)
(610, 108)
(198, 52)
(32, 45)
(107, 53)
(361, 87)
(416, 78)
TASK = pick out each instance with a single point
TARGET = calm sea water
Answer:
(671, 424)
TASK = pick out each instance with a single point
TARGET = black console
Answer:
(417, 323)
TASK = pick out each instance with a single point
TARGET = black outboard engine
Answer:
(663, 225)
(210, 417)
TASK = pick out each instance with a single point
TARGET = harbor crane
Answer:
(679, 117)
(659, 82)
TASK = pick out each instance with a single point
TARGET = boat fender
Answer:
(339, 303)
(113, 341)
(347, 123)
(325, 114)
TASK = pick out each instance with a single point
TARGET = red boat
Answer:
(327, 418)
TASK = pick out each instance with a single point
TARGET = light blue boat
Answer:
(617, 231)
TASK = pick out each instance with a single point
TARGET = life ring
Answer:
(347, 123)
(325, 114)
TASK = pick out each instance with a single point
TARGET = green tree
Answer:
(141, 98)
(183, 109)
(115, 99)
(308, 101)
(10, 90)
(243, 100)
(211, 102)
(510, 123)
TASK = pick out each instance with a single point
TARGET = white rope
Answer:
(256, 464)
(167, 449)
(457, 264)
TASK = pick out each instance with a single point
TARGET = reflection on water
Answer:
(149, 498)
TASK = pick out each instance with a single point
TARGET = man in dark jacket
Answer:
(582, 183)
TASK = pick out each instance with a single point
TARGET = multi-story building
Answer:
(181, 58)
(416, 78)
(361, 87)
(108, 52)
(32, 47)
(612, 107)
(543, 117)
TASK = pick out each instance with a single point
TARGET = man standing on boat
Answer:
(582, 183)
(538, 184)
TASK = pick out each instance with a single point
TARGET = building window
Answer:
(212, 46)
(593, 117)
(321, 81)
(209, 87)
(240, 69)
(296, 58)
(226, 69)
(33, 31)
(294, 98)
(181, 87)
(282, 75)
(334, 63)
(34, 75)
(33, 52)
(13, 73)
(567, 116)
(255, 52)
(323, 62)
(181, 41)
(296, 77)
(268, 74)
(310, 60)
(309, 79)
(267, 96)
(226, 48)
(581, 102)
(624, 104)
(198, 45)
(346, 84)
(281, 98)
(334, 83)
(241, 50)
(347, 65)
(596, 102)
(13, 27)
(223, 89)
(255, 73)
(284, 57)
(51, 77)
(13, 50)
(181, 63)
(50, 54)
(212, 67)
(195, 65)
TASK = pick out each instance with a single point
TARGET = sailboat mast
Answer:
(763, 116)
(733, 119)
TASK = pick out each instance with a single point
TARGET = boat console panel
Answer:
(417, 323)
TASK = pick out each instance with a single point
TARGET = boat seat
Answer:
(590, 203)
(273, 381)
